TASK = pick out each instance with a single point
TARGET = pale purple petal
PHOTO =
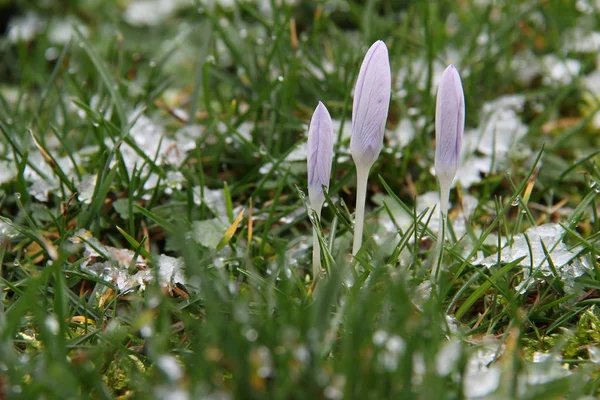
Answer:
(371, 103)
(449, 124)
(320, 153)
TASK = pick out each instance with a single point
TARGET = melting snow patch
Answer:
(526, 66)
(170, 367)
(214, 199)
(152, 12)
(591, 82)
(25, 28)
(405, 132)
(86, 188)
(546, 367)
(112, 265)
(567, 262)
(559, 72)
(482, 376)
(494, 139)
(417, 71)
(448, 357)
(62, 30)
(579, 41)
(427, 200)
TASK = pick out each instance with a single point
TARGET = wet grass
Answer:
(126, 143)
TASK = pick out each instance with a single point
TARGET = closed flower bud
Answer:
(449, 127)
(320, 154)
(371, 103)
(319, 157)
(369, 114)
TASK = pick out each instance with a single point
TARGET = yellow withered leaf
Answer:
(230, 231)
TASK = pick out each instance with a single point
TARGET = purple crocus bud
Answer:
(449, 127)
(320, 155)
(371, 103)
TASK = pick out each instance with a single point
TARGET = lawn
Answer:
(156, 233)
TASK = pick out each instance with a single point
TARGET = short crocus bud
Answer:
(369, 115)
(319, 158)
(449, 127)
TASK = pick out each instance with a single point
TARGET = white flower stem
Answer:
(439, 249)
(316, 246)
(362, 175)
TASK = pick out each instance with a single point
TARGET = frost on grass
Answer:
(113, 265)
(567, 262)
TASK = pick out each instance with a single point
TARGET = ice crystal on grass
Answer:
(567, 261)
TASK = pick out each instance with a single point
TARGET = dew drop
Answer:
(516, 201)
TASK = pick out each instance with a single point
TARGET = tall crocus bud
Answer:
(449, 127)
(320, 155)
(369, 115)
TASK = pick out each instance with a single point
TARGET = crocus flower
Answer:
(320, 155)
(369, 114)
(449, 127)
